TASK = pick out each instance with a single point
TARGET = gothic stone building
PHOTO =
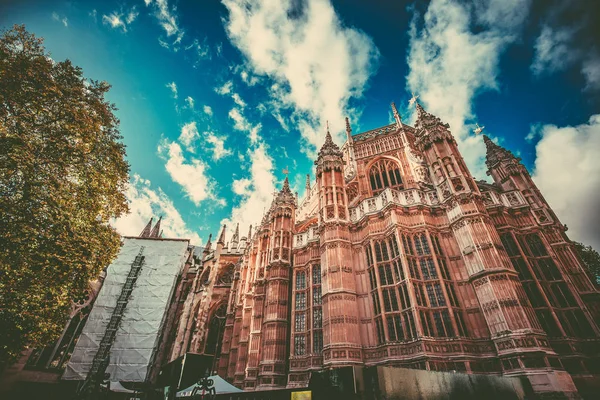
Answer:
(398, 256)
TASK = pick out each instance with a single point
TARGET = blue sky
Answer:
(216, 98)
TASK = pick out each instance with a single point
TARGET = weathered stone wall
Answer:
(412, 384)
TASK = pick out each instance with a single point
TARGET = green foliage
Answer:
(590, 258)
(63, 176)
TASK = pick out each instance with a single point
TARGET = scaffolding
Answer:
(126, 323)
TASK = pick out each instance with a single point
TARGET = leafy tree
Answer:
(590, 258)
(63, 176)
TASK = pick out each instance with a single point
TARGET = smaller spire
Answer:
(396, 116)
(420, 111)
(495, 154)
(222, 235)
(156, 229)
(250, 232)
(329, 147)
(307, 185)
(208, 244)
(146, 231)
(236, 234)
(348, 131)
(286, 184)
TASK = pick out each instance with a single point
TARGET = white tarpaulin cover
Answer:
(220, 385)
(139, 331)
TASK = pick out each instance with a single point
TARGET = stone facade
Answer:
(398, 256)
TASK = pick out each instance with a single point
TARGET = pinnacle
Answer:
(222, 236)
(286, 185)
(329, 147)
(147, 230)
(156, 230)
(421, 111)
(495, 153)
(208, 244)
(488, 142)
(236, 235)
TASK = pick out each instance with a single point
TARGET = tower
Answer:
(273, 356)
(341, 334)
(515, 329)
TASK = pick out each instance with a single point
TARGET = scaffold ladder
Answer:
(101, 359)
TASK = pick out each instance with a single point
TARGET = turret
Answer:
(273, 354)
(440, 151)
(510, 174)
(341, 337)
(505, 168)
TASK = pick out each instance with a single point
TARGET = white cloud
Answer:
(94, 15)
(202, 50)
(58, 18)
(166, 16)
(241, 186)
(238, 100)
(173, 87)
(248, 80)
(132, 15)
(318, 62)
(225, 89)
(256, 190)
(567, 172)
(218, 145)
(553, 51)
(591, 71)
(449, 64)
(242, 124)
(115, 20)
(145, 203)
(163, 43)
(120, 19)
(190, 175)
(189, 134)
(190, 102)
(208, 110)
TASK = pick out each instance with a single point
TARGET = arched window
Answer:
(216, 327)
(385, 173)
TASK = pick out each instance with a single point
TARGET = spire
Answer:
(397, 116)
(307, 185)
(222, 235)
(495, 154)
(329, 148)
(348, 131)
(236, 234)
(250, 232)
(156, 229)
(146, 232)
(427, 120)
(208, 244)
(420, 111)
(285, 194)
